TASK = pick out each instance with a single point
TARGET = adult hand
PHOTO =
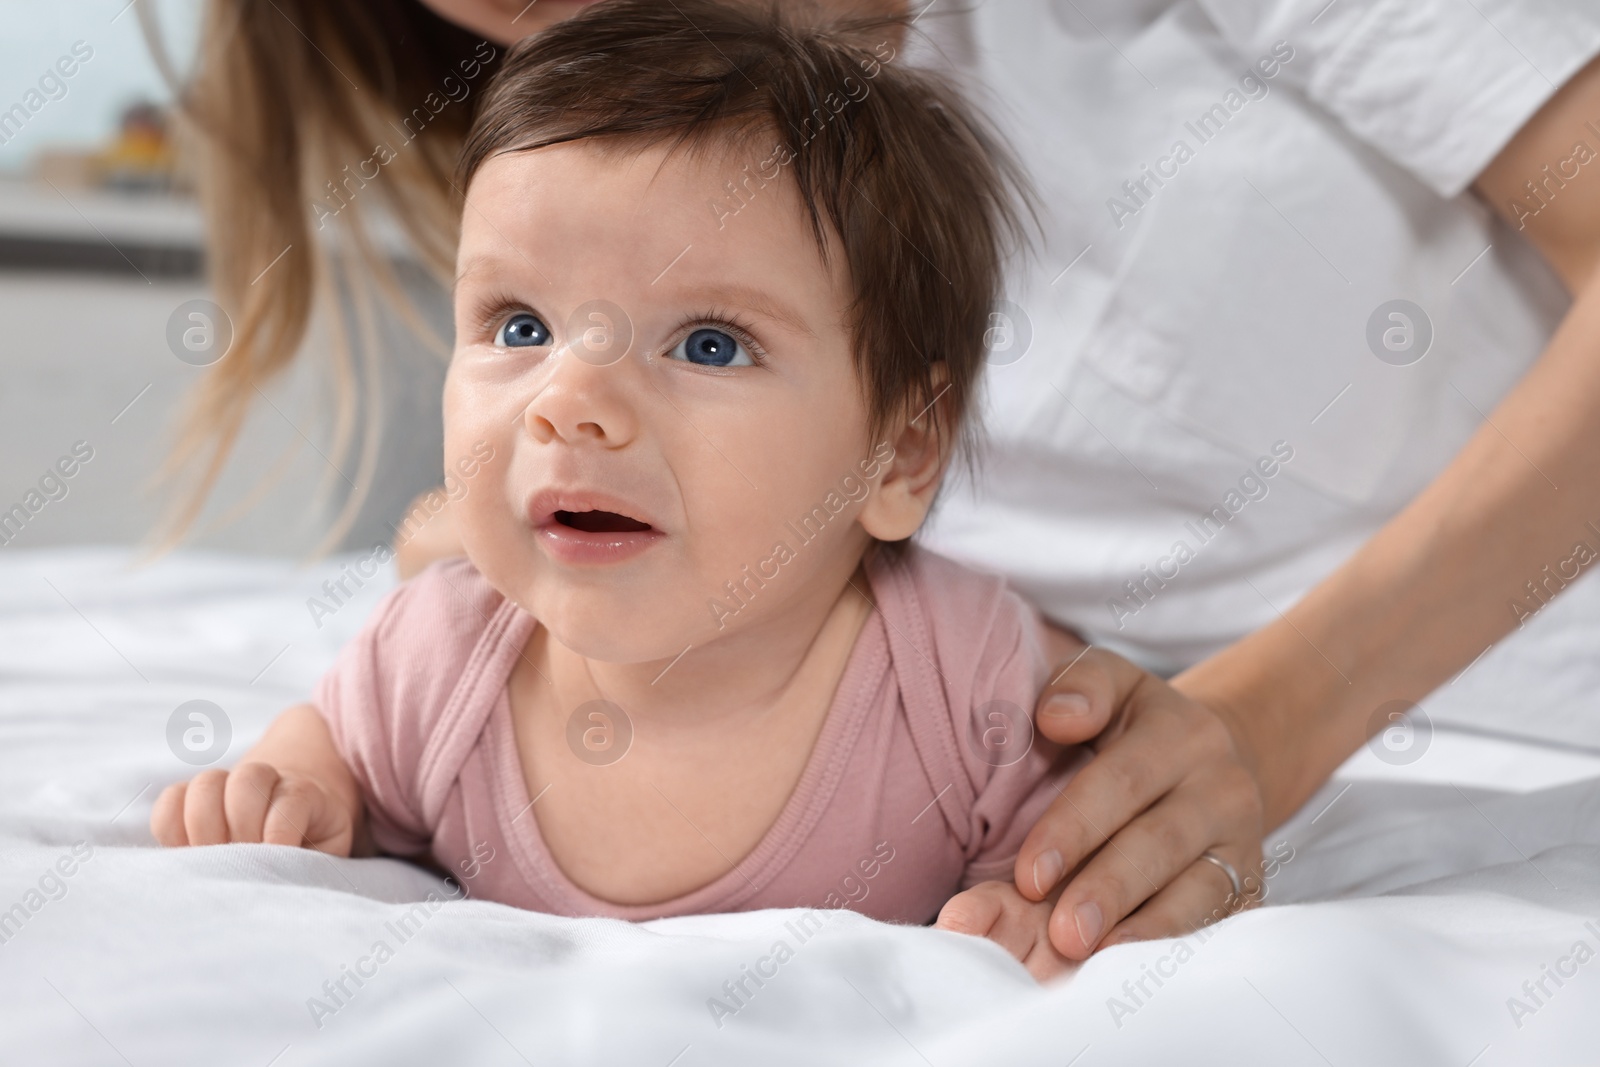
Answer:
(1169, 781)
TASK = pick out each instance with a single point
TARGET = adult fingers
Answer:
(166, 817)
(1163, 742)
(203, 819)
(1134, 865)
(1082, 695)
(1199, 897)
(1218, 811)
(245, 799)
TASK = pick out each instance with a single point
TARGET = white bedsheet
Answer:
(1444, 887)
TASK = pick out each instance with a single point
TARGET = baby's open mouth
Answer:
(600, 522)
(572, 531)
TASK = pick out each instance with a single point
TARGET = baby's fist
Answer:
(1020, 926)
(254, 803)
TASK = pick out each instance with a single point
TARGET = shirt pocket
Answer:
(1285, 283)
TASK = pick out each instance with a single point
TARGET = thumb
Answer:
(1077, 704)
(330, 829)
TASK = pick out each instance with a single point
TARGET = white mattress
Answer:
(1419, 901)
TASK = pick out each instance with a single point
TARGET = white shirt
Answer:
(1213, 313)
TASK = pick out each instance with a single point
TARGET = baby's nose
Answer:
(586, 399)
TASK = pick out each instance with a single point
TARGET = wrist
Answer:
(1273, 693)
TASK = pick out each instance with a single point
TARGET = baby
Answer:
(722, 292)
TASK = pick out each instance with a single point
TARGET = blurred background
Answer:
(100, 246)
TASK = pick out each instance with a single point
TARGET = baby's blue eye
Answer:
(711, 348)
(523, 331)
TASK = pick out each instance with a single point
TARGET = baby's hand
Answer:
(253, 803)
(1020, 926)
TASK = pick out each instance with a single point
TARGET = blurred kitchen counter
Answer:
(89, 281)
(59, 226)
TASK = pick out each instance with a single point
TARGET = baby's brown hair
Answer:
(923, 196)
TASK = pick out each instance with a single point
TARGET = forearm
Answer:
(428, 532)
(1434, 587)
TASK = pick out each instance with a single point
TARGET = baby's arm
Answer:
(1020, 926)
(292, 788)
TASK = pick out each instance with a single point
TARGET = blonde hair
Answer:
(305, 116)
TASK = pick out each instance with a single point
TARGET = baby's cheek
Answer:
(478, 439)
(483, 396)
(482, 506)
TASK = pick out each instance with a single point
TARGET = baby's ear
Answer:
(912, 459)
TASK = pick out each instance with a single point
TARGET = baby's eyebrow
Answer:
(475, 265)
(748, 298)
(724, 294)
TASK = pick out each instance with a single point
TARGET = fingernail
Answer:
(1047, 868)
(1067, 705)
(1087, 918)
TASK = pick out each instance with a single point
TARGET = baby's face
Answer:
(671, 403)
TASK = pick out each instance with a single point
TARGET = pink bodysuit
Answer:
(925, 778)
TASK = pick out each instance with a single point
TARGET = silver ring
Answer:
(1226, 868)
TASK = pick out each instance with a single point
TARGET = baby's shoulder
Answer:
(973, 618)
(968, 655)
(450, 599)
(415, 669)
(422, 641)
